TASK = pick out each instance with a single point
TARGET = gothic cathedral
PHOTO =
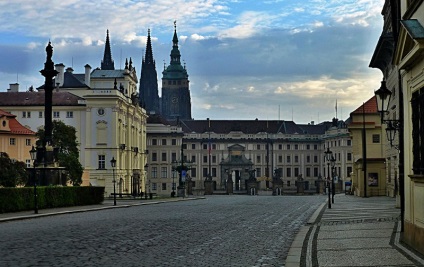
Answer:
(176, 101)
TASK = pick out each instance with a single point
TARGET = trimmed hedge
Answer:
(20, 199)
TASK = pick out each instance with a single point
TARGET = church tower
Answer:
(176, 101)
(107, 62)
(149, 96)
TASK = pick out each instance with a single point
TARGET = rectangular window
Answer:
(28, 163)
(193, 172)
(280, 159)
(163, 186)
(154, 156)
(349, 171)
(205, 159)
(376, 138)
(154, 186)
(173, 156)
(296, 172)
(258, 147)
(296, 147)
(12, 141)
(349, 142)
(288, 147)
(258, 172)
(308, 172)
(174, 142)
(28, 114)
(213, 159)
(308, 147)
(417, 105)
(102, 162)
(193, 146)
(288, 172)
(315, 172)
(258, 159)
(56, 114)
(184, 146)
(205, 146)
(315, 159)
(154, 172)
(28, 142)
(288, 183)
(23, 114)
(164, 156)
(193, 159)
(214, 146)
(69, 114)
(40, 114)
(288, 159)
(213, 172)
(164, 142)
(164, 172)
(349, 156)
(205, 172)
(154, 142)
(296, 159)
(315, 147)
(308, 159)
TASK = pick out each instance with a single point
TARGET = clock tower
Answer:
(176, 100)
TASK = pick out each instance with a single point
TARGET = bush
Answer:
(20, 199)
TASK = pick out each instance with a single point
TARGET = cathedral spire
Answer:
(107, 62)
(175, 53)
(148, 58)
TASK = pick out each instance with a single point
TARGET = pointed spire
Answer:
(175, 52)
(126, 63)
(148, 58)
(107, 62)
(130, 67)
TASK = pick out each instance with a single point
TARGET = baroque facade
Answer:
(218, 148)
(103, 106)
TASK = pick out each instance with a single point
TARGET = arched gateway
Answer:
(236, 170)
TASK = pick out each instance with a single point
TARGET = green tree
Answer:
(12, 173)
(65, 139)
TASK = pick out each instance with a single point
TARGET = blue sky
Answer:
(246, 59)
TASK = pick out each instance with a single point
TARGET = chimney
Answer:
(69, 69)
(60, 68)
(13, 87)
(87, 74)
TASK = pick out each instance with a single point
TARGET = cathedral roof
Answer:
(251, 127)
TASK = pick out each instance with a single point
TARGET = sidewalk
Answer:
(107, 204)
(354, 232)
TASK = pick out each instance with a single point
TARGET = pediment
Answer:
(410, 43)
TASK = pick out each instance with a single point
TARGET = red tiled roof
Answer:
(14, 125)
(368, 107)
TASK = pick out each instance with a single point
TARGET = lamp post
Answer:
(328, 156)
(333, 187)
(113, 164)
(174, 164)
(383, 96)
(33, 153)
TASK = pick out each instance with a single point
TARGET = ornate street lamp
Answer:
(113, 164)
(33, 153)
(327, 157)
(333, 187)
(383, 96)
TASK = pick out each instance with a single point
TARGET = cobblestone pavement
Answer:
(216, 231)
(358, 232)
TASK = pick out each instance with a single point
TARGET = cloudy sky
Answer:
(246, 59)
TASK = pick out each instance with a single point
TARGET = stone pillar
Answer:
(300, 186)
(208, 187)
(229, 184)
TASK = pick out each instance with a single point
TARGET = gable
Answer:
(410, 43)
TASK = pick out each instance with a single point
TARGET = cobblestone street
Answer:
(216, 231)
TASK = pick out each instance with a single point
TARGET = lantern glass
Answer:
(383, 96)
